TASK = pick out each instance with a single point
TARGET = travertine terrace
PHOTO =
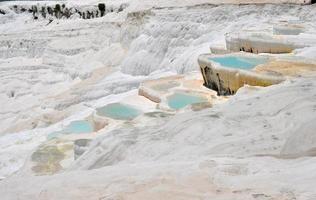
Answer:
(104, 100)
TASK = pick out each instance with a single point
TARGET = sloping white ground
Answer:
(237, 150)
(248, 125)
(64, 70)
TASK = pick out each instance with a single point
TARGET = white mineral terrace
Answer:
(106, 100)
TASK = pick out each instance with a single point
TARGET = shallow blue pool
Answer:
(180, 100)
(75, 127)
(80, 126)
(54, 135)
(240, 62)
(118, 111)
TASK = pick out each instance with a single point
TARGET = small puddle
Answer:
(239, 62)
(78, 127)
(180, 100)
(47, 159)
(75, 127)
(118, 111)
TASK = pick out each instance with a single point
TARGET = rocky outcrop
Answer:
(2, 12)
(80, 146)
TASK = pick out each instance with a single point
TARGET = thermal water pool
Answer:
(75, 127)
(227, 73)
(118, 111)
(80, 126)
(180, 100)
(240, 62)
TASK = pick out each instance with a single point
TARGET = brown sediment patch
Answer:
(286, 68)
(47, 158)
(201, 106)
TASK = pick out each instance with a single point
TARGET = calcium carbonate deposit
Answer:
(105, 100)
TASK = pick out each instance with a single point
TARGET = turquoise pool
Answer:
(118, 111)
(75, 127)
(54, 135)
(80, 126)
(180, 100)
(240, 62)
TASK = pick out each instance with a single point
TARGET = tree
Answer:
(101, 7)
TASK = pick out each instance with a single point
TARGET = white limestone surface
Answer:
(54, 73)
(217, 153)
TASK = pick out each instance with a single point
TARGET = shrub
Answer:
(101, 7)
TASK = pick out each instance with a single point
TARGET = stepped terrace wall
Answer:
(227, 80)
(267, 43)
